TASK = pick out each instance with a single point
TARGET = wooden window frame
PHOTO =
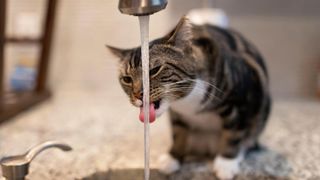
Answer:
(13, 103)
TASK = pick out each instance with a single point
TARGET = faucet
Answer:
(141, 7)
(17, 167)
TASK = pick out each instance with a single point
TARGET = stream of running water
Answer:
(144, 33)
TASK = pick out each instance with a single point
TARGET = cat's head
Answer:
(172, 68)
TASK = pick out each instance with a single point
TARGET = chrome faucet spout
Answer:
(17, 167)
(141, 7)
(33, 152)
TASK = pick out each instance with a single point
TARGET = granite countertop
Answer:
(107, 140)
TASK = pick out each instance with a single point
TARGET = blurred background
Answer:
(84, 106)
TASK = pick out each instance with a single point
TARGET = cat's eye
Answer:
(153, 72)
(126, 79)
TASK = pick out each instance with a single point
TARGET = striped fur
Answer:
(215, 83)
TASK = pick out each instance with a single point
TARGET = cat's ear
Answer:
(181, 34)
(120, 53)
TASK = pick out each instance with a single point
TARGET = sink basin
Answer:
(265, 164)
(125, 174)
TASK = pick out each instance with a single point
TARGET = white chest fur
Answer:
(190, 106)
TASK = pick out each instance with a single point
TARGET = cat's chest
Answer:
(190, 109)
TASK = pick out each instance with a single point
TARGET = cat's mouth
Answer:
(156, 108)
(157, 104)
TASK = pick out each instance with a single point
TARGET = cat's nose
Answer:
(138, 95)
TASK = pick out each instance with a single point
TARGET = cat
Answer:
(213, 82)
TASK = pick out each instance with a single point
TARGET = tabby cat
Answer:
(214, 84)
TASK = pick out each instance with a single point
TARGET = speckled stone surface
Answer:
(107, 140)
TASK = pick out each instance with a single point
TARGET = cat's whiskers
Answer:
(174, 83)
(173, 89)
(207, 83)
(194, 81)
(177, 89)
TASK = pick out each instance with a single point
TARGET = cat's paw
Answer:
(226, 169)
(168, 164)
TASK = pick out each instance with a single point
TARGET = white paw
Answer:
(167, 164)
(226, 169)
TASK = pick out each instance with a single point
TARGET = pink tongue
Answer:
(152, 114)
